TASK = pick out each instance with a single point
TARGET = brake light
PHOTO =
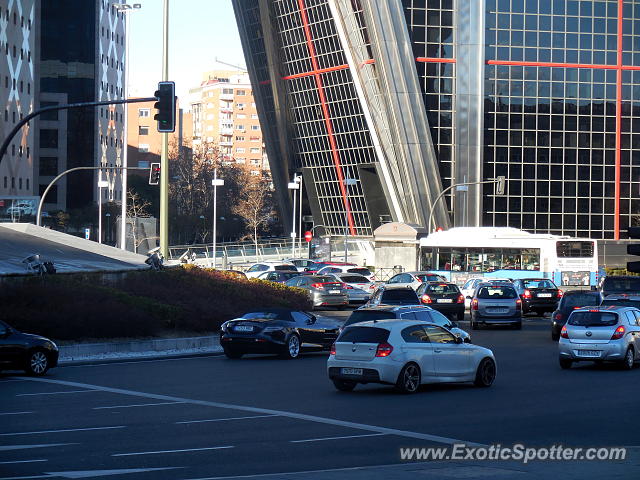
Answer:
(558, 316)
(619, 333)
(518, 304)
(460, 298)
(526, 294)
(564, 333)
(384, 350)
(560, 293)
(474, 304)
(426, 299)
(333, 349)
(317, 285)
(347, 286)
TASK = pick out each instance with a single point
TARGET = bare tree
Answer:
(255, 204)
(136, 208)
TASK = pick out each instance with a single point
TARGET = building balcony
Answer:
(226, 96)
(225, 143)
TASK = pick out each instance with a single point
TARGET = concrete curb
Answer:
(139, 349)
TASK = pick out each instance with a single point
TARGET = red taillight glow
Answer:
(526, 294)
(564, 333)
(474, 304)
(384, 350)
(558, 316)
(619, 333)
(316, 285)
(460, 298)
(560, 293)
(347, 286)
(518, 304)
(426, 299)
(333, 349)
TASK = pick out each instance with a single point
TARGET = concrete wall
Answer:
(389, 254)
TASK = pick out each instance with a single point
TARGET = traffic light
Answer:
(154, 174)
(166, 106)
(633, 249)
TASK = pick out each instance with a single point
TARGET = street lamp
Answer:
(108, 215)
(216, 182)
(101, 184)
(125, 8)
(347, 182)
(295, 185)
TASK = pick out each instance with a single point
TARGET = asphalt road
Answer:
(209, 417)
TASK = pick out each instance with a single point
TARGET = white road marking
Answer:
(16, 413)
(62, 431)
(53, 393)
(225, 419)
(265, 411)
(138, 405)
(90, 473)
(337, 438)
(25, 447)
(23, 461)
(172, 451)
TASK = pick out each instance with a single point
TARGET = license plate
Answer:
(496, 310)
(544, 295)
(445, 300)
(589, 353)
(243, 328)
(351, 371)
(334, 292)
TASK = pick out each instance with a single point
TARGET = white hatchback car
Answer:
(406, 353)
(333, 269)
(259, 268)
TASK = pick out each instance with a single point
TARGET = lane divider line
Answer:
(337, 438)
(225, 419)
(172, 451)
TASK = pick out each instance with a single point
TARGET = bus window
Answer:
(444, 259)
(458, 260)
(492, 260)
(511, 259)
(474, 260)
(531, 259)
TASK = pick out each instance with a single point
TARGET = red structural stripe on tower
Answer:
(435, 60)
(315, 72)
(325, 113)
(616, 208)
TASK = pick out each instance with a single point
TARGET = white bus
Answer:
(462, 253)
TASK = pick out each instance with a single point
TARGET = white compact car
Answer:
(406, 353)
(259, 268)
(335, 269)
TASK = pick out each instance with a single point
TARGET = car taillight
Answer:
(384, 350)
(426, 299)
(333, 349)
(317, 285)
(526, 294)
(518, 304)
(564, 333)
(560, 293)
(474, 304)
(619, 333)
(558, 316)
(372, 286)
(347, 286)
(460, 298)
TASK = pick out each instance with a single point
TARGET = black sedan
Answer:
(571, 300)
(23, 351)
(538, 295)
(280, 331)
(443, 297)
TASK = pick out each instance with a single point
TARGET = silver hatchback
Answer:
(610, 333)
(496, 304)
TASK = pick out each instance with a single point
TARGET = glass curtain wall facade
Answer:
(558, 110)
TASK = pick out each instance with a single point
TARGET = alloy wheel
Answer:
(293, 346)
(628, 359)
(411, 378)
(38, 363)
(488, 372)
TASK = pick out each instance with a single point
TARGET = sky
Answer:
(199, 31)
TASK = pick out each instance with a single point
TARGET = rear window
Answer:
(430, 277)
(497, 292)
(593, 319)
(354, 279)
(324, 279)
(359, 271)
(580, 300)
(399, 296)
(364, 335)
(621, 302)
(442, 288)
(289, 275)
(621, 284)
(284, 267)
(574, 249)
(539, 284)
(366, 316)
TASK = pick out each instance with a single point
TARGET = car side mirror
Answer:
(459, 340)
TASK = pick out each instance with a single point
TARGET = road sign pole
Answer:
(164, 154)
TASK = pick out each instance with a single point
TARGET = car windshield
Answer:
(580, 300)
(364, 335)
(359, 271)
(538, 284)
(284, 267)
(399, 297)
(442, 288)
(367, 315)
(266, 315)
(593, 319)
(429, 277)
(495, 292)
(354, 279)
(621, 302)
(621, 284)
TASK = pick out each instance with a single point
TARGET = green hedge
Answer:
(137, 304)
(619, 271)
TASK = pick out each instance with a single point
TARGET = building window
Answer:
(240, 106)
(20, 183)
(5, 182)
(48, 138)
(240, 150)
(255, 127)
(241, 115)
(52, 194)
(143, 148)
(254, 139)
(240, 92)
(255, 150)
(48, 166)
(239, 127)
(241, 160)
(143, 112)
(254, 116)
(227, 91)
(143, 130)
(239, 138)
(255, 173)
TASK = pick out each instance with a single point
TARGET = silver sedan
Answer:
(358, 287)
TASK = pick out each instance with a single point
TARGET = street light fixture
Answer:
(125, 8)
(295, 185)
(216, 182)
(347, 182)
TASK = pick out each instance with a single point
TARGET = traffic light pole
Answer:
(164, 153)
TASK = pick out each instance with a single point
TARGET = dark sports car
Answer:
(280, 331)
(23, 351)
